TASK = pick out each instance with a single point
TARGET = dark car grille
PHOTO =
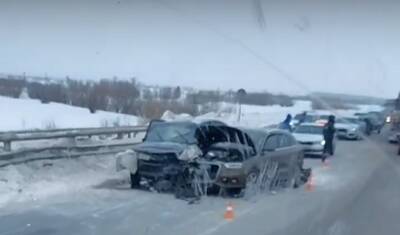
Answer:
(154, 167)
(342, 130)
(150, 166)
(213, 171)
(306, 142)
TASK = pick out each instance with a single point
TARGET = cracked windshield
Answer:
(199, 117)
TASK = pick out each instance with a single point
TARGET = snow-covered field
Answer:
(21, 114)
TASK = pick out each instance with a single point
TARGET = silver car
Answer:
(310, 136)
(350, 128)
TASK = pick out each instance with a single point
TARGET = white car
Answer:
(310, 135)
(349, 128)
(394, 138)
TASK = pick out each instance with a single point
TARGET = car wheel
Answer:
(252, 178)
(271, 175)
(135, 181)
(252, 184)
(296, 181)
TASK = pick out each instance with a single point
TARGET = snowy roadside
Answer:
(28, 114)
(42, 179)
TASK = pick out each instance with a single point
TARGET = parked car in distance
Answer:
(310, 117)
(351, 128)
(310, 136)
(394, 138)
(376, 124)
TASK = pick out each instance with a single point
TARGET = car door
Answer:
(287, 150)
(269, 154)
(287, 155)
(269, 160)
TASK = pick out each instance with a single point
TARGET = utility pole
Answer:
(240, 94)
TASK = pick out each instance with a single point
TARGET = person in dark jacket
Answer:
(329, 134)
(303, 117)
(285, 125)
(368, 126)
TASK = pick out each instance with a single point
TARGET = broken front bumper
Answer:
(226, 175)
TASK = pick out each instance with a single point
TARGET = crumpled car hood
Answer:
(159, 147)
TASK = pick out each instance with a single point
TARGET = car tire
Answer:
(252, 184)
(135, 180)
(271, 175)
(297, 182)
(252, 177)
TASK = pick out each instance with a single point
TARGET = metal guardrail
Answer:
(8, 137)
(58, 152)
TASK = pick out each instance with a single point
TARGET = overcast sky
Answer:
(322, 45)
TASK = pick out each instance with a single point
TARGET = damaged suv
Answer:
(175, 156)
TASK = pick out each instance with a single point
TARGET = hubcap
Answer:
(252, 178)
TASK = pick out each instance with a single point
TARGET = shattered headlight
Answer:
(233, 165)
(127, 160)
(190, 153)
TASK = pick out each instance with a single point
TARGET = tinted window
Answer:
(272, 142)
(347, 120)
(317, 130)
(309, 118)
(184, 133)
(285, 141)
(257, 137)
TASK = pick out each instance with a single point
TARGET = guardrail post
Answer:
(71, 141)
(7, 146)
(120, 136)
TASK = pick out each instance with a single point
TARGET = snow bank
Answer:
(171, 116)
(41, 179)
(255, 115)
(20, 114)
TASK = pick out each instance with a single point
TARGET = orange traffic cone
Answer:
(310, 184)
(229, 213)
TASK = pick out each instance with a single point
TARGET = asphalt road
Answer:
(358, 193)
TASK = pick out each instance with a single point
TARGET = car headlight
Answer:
(354, 129)
(233, 165)
(190, 153)
(323, 142)
(127, 160)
